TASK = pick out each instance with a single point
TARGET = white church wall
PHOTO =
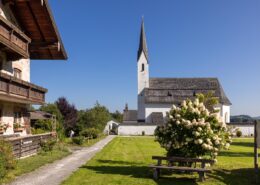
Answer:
(136, 130)
(143, 74)
(143, 82)
(150, 108)
(247, 130)
(225, 113)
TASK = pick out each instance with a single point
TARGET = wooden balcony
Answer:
(36, 19)
(13, 41)
(19, 91)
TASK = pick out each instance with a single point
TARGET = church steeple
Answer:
(142, 74)
(142, 42)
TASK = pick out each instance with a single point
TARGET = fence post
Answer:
(255, 151)
(21, 144)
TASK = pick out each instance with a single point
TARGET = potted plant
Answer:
(18, 127)
(3, 127)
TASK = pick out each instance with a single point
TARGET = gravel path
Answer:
(55, 173)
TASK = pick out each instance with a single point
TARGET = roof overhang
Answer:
(36, 20)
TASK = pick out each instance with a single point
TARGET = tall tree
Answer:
(96, 117)
(52, 109)
(117, 116)
(69, 113)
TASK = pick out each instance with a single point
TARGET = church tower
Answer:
(142, 73)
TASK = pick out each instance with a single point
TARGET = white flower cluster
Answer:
(191, 128)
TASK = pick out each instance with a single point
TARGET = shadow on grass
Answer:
(236, 154)
(119, 162)
(244, 176)
(244, 144)
(142, 172)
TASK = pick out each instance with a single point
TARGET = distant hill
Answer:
(243, 118)
(258, 117)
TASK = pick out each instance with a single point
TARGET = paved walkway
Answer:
(55, 173)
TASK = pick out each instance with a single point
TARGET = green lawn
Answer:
(31, 163)
(125, 160)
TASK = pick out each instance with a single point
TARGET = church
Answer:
(157, 95)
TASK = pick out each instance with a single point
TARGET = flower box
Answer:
(18, 129)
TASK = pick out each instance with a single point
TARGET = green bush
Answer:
(90, 132)
(48, 145)
(44, 125)
(193, 131)
(238, 133)
(37, 131)
(7, 160)
(78, 140)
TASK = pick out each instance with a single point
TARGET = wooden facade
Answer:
(20, 90)
(36, 20)
(13, 41)
(27, 31)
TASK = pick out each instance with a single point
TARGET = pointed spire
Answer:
(126, 107)
(142, 42)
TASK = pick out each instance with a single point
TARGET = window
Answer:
(17, 117)
(142, 67)
(17, 73)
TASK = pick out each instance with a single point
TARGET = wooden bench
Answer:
(176, 164)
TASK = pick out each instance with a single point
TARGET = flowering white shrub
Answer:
(193, 131)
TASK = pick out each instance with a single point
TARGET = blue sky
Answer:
(186, 38)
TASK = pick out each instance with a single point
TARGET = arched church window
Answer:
(142, 67)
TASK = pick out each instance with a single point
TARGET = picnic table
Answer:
(180, 164)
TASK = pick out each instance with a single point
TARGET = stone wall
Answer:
(136, 130)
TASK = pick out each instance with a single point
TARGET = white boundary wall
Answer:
(247, 130)
(136, 130)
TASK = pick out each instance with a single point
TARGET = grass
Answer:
(31, 163)
(125, 161)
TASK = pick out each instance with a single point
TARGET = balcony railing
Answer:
(13, 89)
(13, 41)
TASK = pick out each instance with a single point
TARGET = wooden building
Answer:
(27, 32)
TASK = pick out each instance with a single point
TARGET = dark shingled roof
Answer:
(241, 124)
(130, 115)
(175, 90)
(35, 115)
(142, 43)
